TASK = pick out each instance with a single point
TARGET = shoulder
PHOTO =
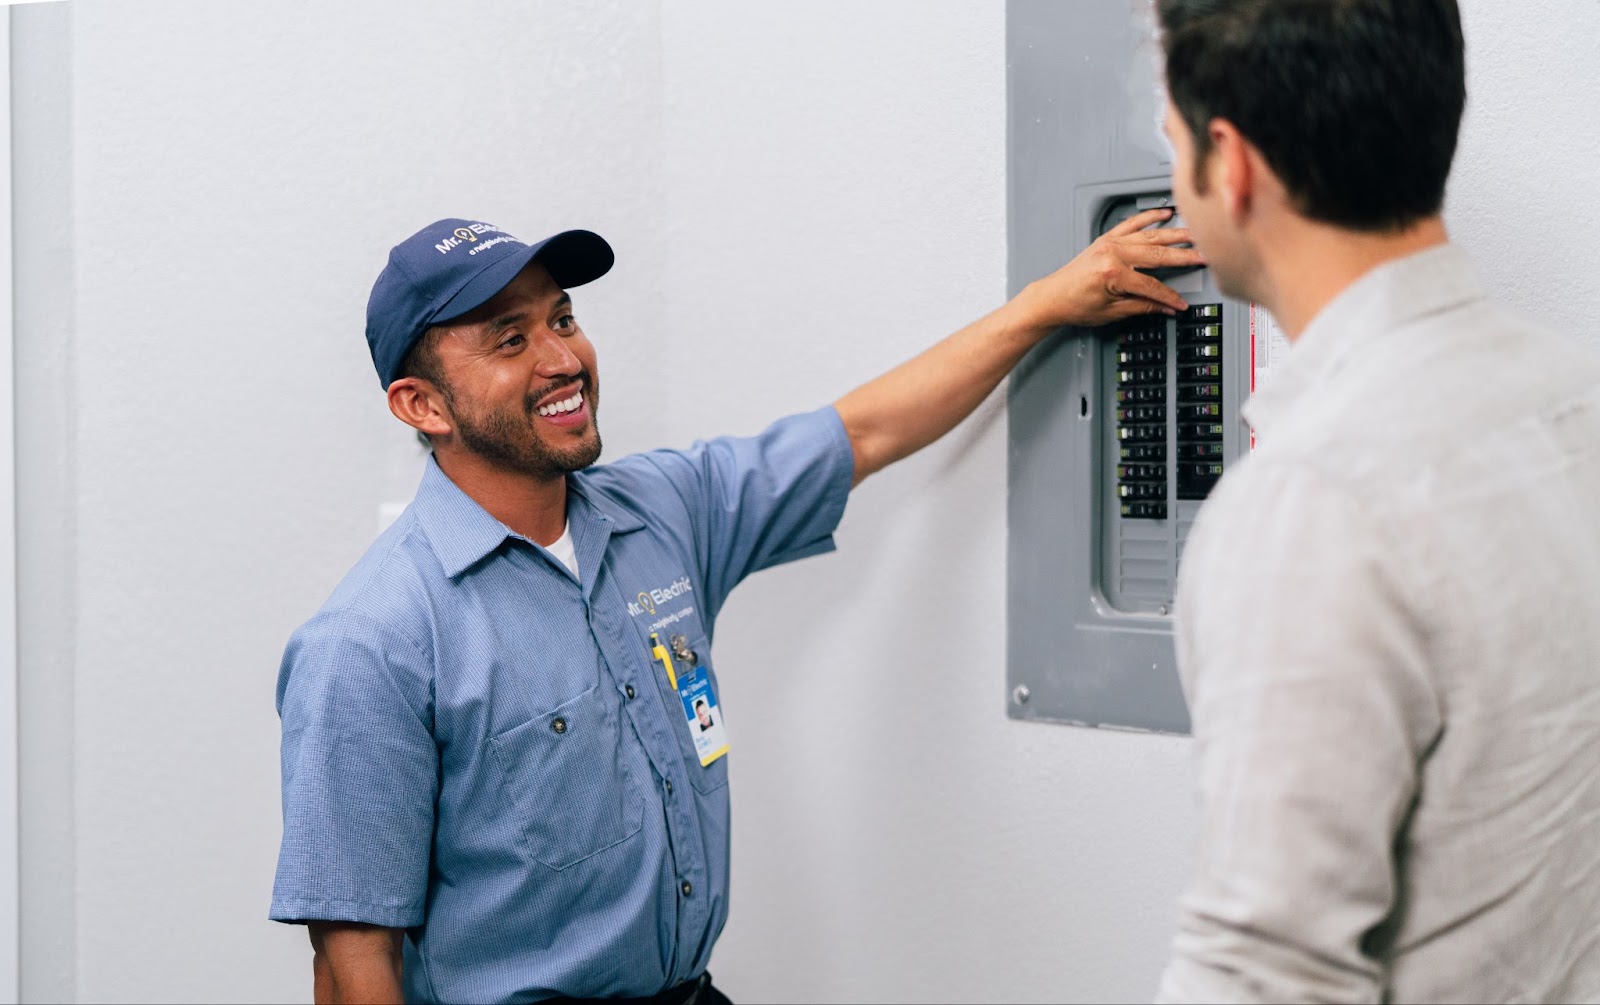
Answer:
(1394, 417)
(377, 622)
(391, 584)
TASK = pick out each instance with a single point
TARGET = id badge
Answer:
(700, 706)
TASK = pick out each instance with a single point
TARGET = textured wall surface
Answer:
(801, 195)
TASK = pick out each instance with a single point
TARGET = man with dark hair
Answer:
(492, 788)
(1389, 615)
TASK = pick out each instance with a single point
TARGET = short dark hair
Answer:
(422, 361)
(1355, 104)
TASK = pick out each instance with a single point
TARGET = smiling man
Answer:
(504, 764)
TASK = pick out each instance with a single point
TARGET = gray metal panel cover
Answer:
(1087, 642)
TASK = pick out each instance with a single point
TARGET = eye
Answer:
(512, 341)
(565, 322)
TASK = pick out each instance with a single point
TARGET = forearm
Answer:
(916, 403)
(904, 410)
(355, 963)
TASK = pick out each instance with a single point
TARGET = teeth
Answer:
(569, 405)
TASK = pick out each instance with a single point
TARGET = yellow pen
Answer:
(659, 651)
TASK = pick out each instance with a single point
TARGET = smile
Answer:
(571, 404)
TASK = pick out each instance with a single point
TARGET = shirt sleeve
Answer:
(1308, 685)
(360, 772)
(763, 500)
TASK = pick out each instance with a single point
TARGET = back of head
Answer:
(1355, 104)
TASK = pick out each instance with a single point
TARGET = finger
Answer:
(1139, 221)
(1137, 284)
(1162, 235)
(1157, 256)
(1134, 307)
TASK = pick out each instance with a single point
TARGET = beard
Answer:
(509, 438)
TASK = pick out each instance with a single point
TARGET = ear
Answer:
(420, 405)
(1234, 168)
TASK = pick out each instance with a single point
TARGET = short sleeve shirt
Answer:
(477, 746)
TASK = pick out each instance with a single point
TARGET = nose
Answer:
(556, 359)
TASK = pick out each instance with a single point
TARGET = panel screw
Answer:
(1163, 609)
(1020, 694)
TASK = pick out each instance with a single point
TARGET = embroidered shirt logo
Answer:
(649, 600)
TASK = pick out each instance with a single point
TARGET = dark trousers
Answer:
(696, 992)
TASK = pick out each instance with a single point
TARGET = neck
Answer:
(1310, 263)
(532, 506)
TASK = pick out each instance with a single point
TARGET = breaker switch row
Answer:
(1143, 337)
(1142, 490)
(1143, 452)
(1144, 510)
(1142, 395)
(1200, 452)
(1143, 375)
(1142, 413)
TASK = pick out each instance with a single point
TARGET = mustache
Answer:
(585, 383)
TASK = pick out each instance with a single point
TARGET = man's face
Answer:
(1204, 210)
(703, 713)
(521, 382)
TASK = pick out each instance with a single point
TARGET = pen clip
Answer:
(658, 651)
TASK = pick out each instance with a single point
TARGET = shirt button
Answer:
(686, 888)
(669, 786)
(560, 725)
(629, 690)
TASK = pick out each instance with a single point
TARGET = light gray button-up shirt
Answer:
(1389, 634)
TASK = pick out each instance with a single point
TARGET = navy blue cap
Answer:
(452, 267)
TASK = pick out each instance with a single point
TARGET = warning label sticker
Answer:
(1269, 347)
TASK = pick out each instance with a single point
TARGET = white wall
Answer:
(801, 194)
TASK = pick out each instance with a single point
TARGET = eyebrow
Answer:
(505, 321)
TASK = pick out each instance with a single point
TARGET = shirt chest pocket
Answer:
(564, 776)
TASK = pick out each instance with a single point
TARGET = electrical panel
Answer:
(1118, 434)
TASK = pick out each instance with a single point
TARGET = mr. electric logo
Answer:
(469, 235)
(648, 600)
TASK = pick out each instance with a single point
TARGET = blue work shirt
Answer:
(478, 747)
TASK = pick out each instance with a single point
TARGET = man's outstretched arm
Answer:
(919, 401)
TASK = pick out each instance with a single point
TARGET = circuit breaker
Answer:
(1117, 435)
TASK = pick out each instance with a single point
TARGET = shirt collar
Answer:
(463, 533)
(1388, 297)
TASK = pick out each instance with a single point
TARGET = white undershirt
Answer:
(562, 549)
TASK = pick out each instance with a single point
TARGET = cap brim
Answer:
(573, 257)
